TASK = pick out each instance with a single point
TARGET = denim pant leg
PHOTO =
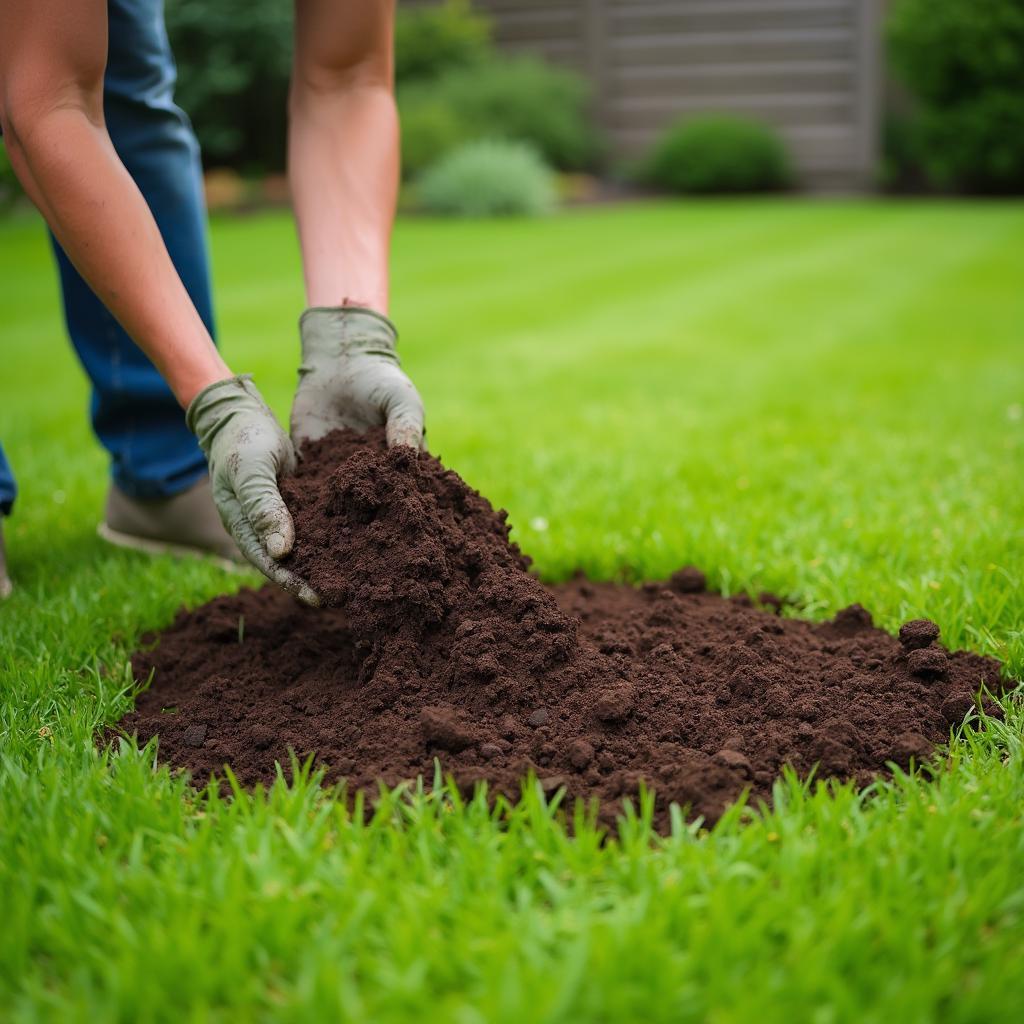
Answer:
(134, 414)
(8, 490)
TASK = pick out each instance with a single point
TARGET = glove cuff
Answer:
(336, 330)
(217, 402)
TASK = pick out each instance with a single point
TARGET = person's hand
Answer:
(351, 377)
(246, 450)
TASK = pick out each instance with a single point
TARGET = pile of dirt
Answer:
(437, 643)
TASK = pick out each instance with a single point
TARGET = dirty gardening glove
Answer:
(351, 377)
(246, 450)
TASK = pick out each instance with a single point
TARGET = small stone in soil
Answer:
(195, 735)
(581, 753)
(615, 705)
(442, 728)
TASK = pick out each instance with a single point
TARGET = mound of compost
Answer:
(436, 642)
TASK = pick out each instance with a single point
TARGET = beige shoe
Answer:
(186, 524)
(5, 581)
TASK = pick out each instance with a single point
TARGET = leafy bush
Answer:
(430, 128)
(234, 59)
(963, 63)
(969, 147)
(527, 100)
(487, 178)
(719, 153)
(952, 49)
(430, 40)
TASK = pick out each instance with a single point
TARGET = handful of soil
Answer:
(438, 643)
(422, 567)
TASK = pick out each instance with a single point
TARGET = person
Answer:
(97, 142)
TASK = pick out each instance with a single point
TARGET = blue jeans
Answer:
(134, 414)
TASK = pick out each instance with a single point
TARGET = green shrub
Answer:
(968, 147)
(430, 40)
(527, 100)
(719, 153)
(234, 58)
(963, 63)
(430, 128)
(488, 177)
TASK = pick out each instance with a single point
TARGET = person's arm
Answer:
(343, 149)
(52, 59)
(343, 170)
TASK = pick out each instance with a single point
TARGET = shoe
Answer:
(5, 581)
(185, 524)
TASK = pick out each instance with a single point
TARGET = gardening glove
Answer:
(247, 450)
(351, 377)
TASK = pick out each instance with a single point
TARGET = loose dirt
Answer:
(438, 643)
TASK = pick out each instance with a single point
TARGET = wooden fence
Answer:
(810, 68)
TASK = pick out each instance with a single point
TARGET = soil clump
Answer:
(436, 642)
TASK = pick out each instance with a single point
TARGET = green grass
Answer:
(821, 399)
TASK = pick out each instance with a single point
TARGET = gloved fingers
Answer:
(317, 411)
(361, 394)
(403, 410)
(311, 415)
(401, 431)
(262, 505)
(248, 543)
(295, 585)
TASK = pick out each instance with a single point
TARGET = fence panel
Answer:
(809, 68)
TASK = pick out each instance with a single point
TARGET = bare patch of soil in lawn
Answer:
(438, 643)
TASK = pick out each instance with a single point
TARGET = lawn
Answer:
(824, 399)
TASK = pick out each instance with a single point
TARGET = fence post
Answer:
(595, 35)
(868, 72)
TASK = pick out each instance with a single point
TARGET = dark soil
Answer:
(439, 644)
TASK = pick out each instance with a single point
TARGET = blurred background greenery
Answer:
(949, 98)
(960, 126)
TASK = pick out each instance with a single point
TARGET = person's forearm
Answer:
(343, 150)
(101, 220)
(52, 57)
